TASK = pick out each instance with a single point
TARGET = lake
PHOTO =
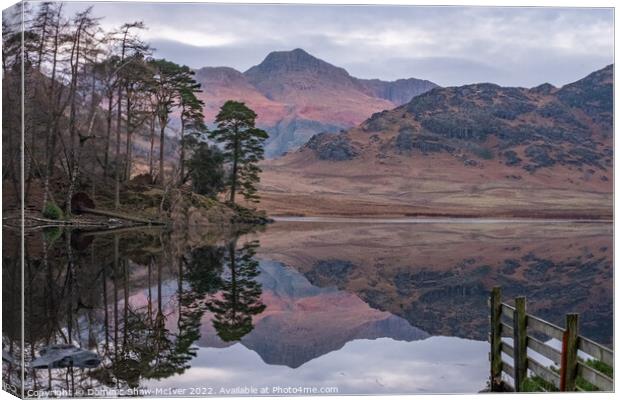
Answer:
(304, 306)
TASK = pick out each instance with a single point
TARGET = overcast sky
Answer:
(447, 45)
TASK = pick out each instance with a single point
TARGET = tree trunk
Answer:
(117, 170)
(233, 278)
(106, 322)
(149, 296)
(42, 40)
(106, 156)
(233, 186)
(71, 190)
(115, 296)
(180, 294)
(125, 302)
(162, 129)
(151, 153)
(76, 164)
(71, 159)
(182, 156)
(128, 130)
(50, 140)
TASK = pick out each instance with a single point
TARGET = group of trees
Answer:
(90, 97)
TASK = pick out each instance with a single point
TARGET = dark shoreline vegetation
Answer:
(115, 137)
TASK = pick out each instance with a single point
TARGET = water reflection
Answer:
(438, 276)
(239, 297)
(297, 303)
(131, 300)
(11, 312)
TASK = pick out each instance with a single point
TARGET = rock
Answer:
(65, 355)
(332, 147)
(407, 141)
(377, 122)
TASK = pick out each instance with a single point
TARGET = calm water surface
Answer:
(339, 307)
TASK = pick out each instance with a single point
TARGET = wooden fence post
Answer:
(520, 343)
(496, 338)
(568, 367)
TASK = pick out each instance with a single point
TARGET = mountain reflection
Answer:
(295, 303)
(438, 276)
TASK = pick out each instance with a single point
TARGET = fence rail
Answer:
(514, 322)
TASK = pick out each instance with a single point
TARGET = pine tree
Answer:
(243, 147)
(171, 84)
(192, 117)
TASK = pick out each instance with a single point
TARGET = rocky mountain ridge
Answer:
(297, 95)
(475, 150)
(523, 128)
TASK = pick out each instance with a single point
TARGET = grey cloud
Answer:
(449, 45)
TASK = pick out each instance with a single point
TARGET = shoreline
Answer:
(434, 220)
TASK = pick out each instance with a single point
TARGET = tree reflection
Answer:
(203, 270)
(198, 275)
(137, 304)
(239, 298)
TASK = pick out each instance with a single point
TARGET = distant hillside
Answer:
(297, 96)
(529, 128)
(463, 151)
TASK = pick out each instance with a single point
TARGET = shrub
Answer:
(52, 211)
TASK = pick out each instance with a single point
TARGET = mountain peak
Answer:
(291, 61)
(297, 95)
(299, 51)
(290, 57)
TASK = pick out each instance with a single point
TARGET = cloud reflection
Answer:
(361, 366)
